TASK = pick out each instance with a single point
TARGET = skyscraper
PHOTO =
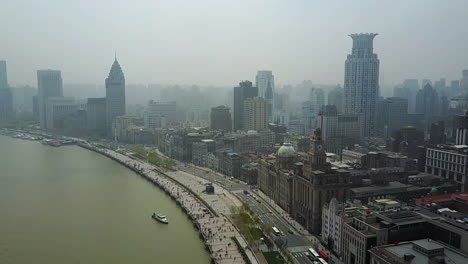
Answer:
(6, 104)
(6, 96)
(361, 83)
(265, 82)
(241, 93)
(394, 115)
(335, 97)
(96, 116)
(3, 75)
(317, 98)
(115, 94)
(411, 87)
(49, 83)
(427, 104)
(464, 81)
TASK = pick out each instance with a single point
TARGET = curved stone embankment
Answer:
(216, 231)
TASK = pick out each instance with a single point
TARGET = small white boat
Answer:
(160, 218)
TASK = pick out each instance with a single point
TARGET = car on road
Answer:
(246, 192)
(290, 231)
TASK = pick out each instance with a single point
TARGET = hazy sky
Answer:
(221, 42)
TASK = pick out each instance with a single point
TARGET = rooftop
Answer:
(411, 251)
(390, 186)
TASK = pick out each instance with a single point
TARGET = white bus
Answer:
(322, 261)
(276, 231)
(313, 254)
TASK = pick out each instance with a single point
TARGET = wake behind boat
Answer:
(160, 218)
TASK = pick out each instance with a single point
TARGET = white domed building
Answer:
(286, 156)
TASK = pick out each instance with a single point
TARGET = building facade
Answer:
(166, 109)
(301, 186)
(120, 128)
(427, 104)
(361, 82)
(49, 83)
(336, 98)
(96, 116)
(6, 96)
(339, 131)
(460, 124)
(241, 93)
(58, 109)
(394, 115)
(220, 118)
(255, 114)
(6, 104)
(154, 121)
(449, 162)
(265, 82)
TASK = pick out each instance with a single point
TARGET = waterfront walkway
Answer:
(217, 231)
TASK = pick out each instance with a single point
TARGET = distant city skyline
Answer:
(304, 40)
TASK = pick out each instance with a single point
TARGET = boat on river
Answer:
(160, 218)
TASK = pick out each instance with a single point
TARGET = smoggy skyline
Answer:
(222, 42)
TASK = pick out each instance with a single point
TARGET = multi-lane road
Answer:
(297, 244)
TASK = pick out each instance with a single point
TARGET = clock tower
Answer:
(317, 154)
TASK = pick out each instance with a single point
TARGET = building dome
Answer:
(286, 151)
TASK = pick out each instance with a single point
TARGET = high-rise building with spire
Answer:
(115, 94)
(361, 83)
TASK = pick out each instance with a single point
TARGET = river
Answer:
(71, 205)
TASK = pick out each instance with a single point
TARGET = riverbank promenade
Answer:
(222, 239)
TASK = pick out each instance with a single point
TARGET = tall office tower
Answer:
(265, 82)
(361, 83)
(440, 84)
(335, 97)
(3, 75)
(220, 118)
(460, 123)
(255, 114)
(427, 104)
(455, 87)
(317, 97)
(35, 104)
(22, 99)
(339, 130)
(6, 96)
(115, 94)
(412, 86)
(464, 81)
(241, 93)
(394, 115)
(49, 83)
(96, 114)
(6, 104)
